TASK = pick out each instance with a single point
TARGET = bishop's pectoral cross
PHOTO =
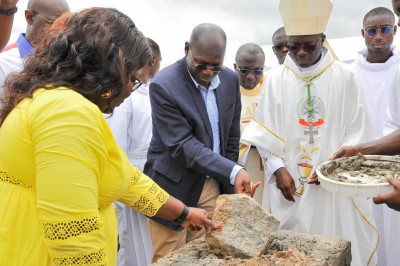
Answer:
(311, 132)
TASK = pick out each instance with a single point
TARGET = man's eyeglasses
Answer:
(308, 48)
(246, 71)
(35, 13)
(373, 31)
(136, 83)
(280, 47)
(202, 67)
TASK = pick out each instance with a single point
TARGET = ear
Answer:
(152, 61)
(362, 33)
(394, 30)
(29, 16)
(187, 46)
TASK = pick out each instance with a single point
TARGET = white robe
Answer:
(132, 128)
(279, 132)
(377, 81)
(10, 63)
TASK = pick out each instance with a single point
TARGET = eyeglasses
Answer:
(202, 67)
(308, 48)
(280, 47)
(136, 84)
(246, 71)
(35, 13)
(384, 30)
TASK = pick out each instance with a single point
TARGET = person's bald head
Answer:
(205, 52)
(249, 65)
(41, 14)
(208, 37)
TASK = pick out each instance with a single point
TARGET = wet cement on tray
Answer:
(360, 170)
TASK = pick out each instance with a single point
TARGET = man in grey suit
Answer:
(196, 130)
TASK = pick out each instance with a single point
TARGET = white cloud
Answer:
(169, 22)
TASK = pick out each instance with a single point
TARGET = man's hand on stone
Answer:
(243, 185)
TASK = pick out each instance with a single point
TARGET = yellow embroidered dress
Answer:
(60, 170)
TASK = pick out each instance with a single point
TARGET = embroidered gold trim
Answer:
(65, 230)
(373, 227)
(95, 258)
(151, 201)
(269, 130)
(310, 77)
(6, 177)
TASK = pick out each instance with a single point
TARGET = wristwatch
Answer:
(183, 215)
(8, 12)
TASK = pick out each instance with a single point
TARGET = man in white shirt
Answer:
(39, 15)
(376, 67)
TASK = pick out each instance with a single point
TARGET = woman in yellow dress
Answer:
(60, 167)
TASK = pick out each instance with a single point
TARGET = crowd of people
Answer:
(107, 160)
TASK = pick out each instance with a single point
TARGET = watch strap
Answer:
(183, 215)
(8, 12)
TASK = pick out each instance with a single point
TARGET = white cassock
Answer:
(10, 63)
(132, 128)
(378, 83)
(299, 129)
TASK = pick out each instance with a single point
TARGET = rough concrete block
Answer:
(194, 253)
(247, 228)
(324, 250)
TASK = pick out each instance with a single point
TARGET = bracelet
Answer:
(183, 215)
(8, 12)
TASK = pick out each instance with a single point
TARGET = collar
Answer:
(317, 69)
(213, 84)
(361, 59)
(24, 47)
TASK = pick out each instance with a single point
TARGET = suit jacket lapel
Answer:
(197, 98)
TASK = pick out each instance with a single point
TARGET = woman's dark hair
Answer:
(89, 52)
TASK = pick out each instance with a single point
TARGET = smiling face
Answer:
(306, 50)
(379, 44)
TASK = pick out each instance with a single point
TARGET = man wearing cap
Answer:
(312, 107)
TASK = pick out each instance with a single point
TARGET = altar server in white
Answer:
(313, 106)
(376, 67)
(131, 125)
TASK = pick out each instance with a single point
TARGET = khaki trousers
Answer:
(166, 240)
(255, 169)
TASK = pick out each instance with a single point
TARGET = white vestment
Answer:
(250, 159)
(303, 129)
(10, 62)
(378, 81)
(132, 128)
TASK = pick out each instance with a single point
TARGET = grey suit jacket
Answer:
(180, 155)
